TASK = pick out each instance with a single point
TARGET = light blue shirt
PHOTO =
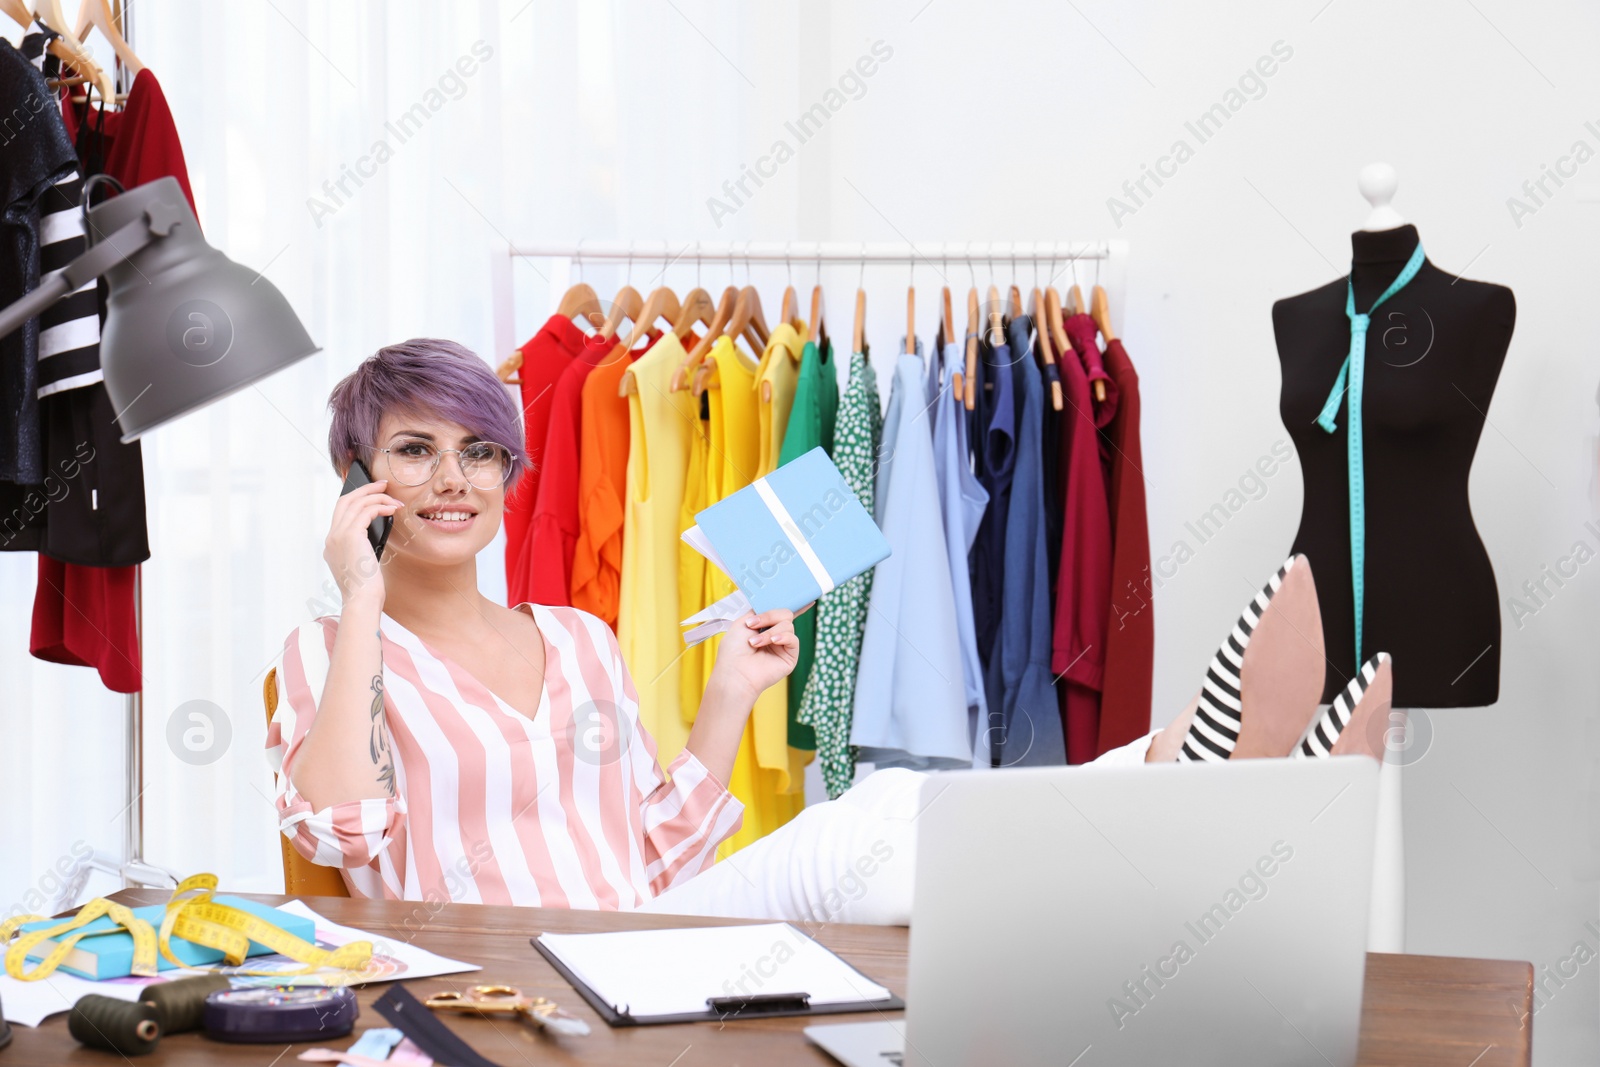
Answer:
(911, 707)
(962, 500)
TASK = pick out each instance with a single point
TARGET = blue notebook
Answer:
(785, 540)
(99, 956)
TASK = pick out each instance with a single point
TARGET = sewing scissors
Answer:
(509, 1000)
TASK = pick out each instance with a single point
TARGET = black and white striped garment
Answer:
(1319, 741)
(1215, 729)
(69, 330)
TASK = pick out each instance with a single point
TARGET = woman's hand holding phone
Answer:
(348, 549)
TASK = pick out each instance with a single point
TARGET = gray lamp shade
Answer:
(185, 325)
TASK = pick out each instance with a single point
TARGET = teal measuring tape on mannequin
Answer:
(1355, 370)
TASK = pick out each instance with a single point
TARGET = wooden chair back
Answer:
(301, 877)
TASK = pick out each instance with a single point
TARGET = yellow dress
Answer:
(761, 770)
(695, 665)
(662, 424)
(776, 380)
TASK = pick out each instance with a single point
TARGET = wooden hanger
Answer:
(581, 299)
(19, 12)
(858, 335)
(1064, 343)
(97, 13)
(1040, 313)
(969, 385)
(1076, 306)
(1100, 311)
(697, 308)
(997, 326)
(911, 320)
(788, 315)
(70, 50)
(748, 321)
(1075, 300)
(662, 304)
(814, 326)
(788, 311)
(627, 304)
(507, 370)
(1014, 303)
(714, 329)
(1053, 315)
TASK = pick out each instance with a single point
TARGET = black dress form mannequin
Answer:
(1434, 352)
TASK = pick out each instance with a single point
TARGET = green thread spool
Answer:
(181, 1005)
(130, 1028)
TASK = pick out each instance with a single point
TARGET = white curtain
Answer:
(501, 122)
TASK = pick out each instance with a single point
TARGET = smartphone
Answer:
(378, 530)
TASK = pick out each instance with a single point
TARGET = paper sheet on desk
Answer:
(671, 972)
(30, 1003)
(391, 960)
(719, 616)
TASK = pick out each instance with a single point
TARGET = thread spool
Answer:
(128, 1027)
(181, 1005)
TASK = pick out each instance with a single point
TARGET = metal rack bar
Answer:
(825, 251)
(559, 263)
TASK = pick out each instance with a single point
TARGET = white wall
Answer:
(993, 121)
(1013, 120)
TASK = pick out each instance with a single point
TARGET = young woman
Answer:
(434, 745)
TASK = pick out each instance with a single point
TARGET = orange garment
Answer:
(602, 480)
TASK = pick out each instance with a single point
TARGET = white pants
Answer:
(850, 860)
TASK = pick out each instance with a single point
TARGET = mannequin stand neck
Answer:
(1377, 257)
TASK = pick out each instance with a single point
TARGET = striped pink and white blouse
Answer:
(567, 809)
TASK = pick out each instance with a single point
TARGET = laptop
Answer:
(1178, 913)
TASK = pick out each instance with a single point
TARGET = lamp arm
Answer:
(99, 258)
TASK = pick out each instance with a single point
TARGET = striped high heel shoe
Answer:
(1356, 720)
(1262, 687)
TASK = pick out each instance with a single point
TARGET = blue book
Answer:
(784, 540)
(107, 950)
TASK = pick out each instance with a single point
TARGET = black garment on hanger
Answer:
(1433, 355)
(35, 153)
(91, 509)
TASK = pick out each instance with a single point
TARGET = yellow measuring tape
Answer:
(192, 915)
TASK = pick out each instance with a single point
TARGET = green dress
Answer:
(811, 423)
(842, 614)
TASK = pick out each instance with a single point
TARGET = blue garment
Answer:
(1019, 680)
(886, 444)
(910, 698)
(992, 423)
(962, 502)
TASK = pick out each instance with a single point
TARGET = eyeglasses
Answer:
(484, 463)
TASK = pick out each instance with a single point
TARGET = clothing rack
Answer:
(930, 264)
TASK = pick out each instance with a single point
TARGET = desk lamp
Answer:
(185, 325)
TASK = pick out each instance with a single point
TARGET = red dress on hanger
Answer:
(86, 615)
(548, 353)
(1131, 629)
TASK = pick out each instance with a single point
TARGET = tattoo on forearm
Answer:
(382, 757)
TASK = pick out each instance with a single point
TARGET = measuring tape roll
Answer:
(190, 914)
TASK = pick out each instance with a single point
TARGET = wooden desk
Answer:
(1419, 1011)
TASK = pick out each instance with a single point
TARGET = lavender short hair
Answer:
(425, 377)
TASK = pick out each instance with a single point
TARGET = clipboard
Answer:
(753, 1006)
